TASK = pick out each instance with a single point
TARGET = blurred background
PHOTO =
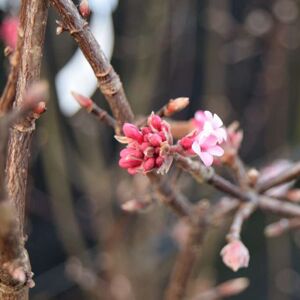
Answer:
(238, 58)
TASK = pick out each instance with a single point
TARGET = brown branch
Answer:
(208, 175)
(239, 169)
(109, 82)
(285, 176)
(226, 289)
(170, 197)
(91, 107)
(33, 16)
(282, 226)
(30, 102)
(187, 258)
(242, 214)
(204, 174)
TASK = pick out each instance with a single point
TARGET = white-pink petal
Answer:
(209, 141)
(208, 115)
(196, 147)
(216, 151)
(207, 158)
(221, 134)
(217, 122)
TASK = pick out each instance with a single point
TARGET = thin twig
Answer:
(203, 174)
(226, 289)
(285, 176)
(282, 226)
(91, 107)
(240, 170)
(242, 214)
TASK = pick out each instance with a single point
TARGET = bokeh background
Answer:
(238, 58)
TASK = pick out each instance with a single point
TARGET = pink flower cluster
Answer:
(147, 148)
(206, 139)
(9, 31)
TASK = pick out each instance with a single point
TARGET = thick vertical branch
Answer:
(33, 16)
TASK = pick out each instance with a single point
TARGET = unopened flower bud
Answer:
(149, 164)
(155, 139)
(83, 101)
(159, 161)
(131, 152)
(176, 105)
(155, 121)
(253, 176)
(129, 163)
(134, 205)
(131, 131)
(84, 9)
(186, 142)
(40, 108)
(235, 255)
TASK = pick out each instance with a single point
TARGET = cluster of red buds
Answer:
(147, 148)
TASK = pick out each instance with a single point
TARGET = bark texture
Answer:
(15, 264)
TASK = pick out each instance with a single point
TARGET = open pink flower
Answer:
(235, 255)
(206, 139)
(9, 31)
(206, 121)
(147, 148)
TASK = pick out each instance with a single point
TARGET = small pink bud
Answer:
(131, 131)
(40, 108)
(83, 101)
(159, 161)
(155, 139)
(129, 163)
(146, 130)
(131, 152)
(163, 136)
(134, 205)
(176, 105)
(84, 9)
(235, 255)
(186, 142)
(145, 145)
(149, 164)
(155, 121)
